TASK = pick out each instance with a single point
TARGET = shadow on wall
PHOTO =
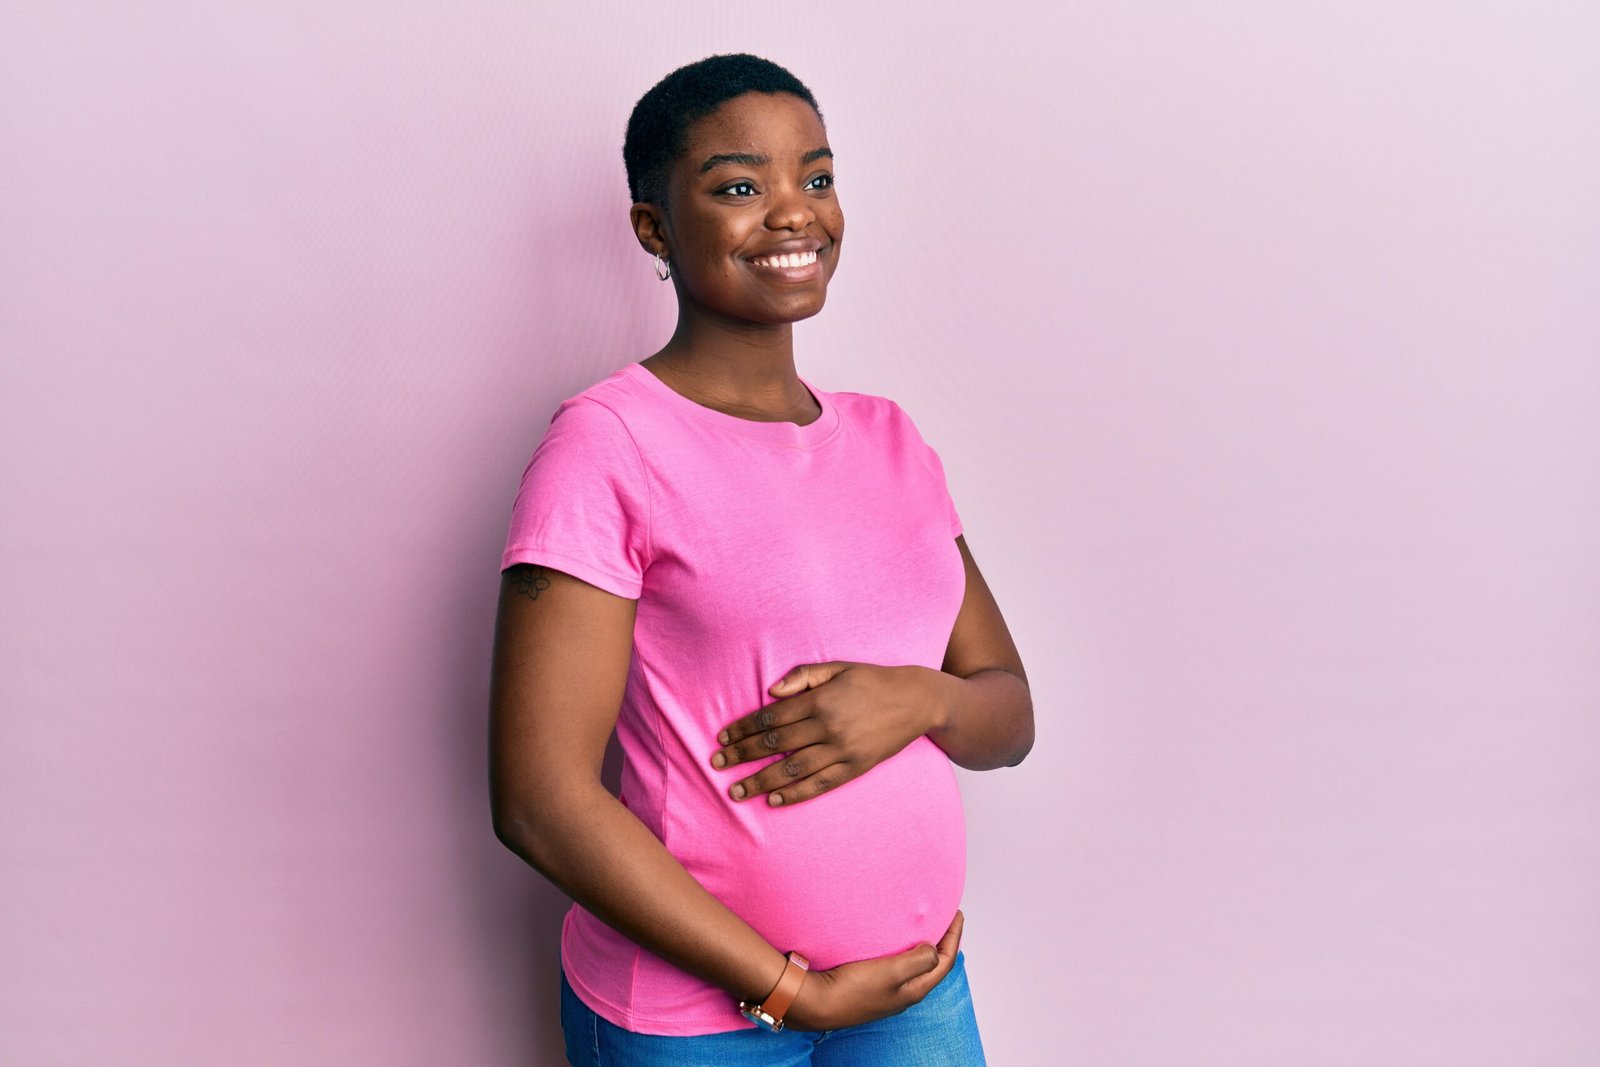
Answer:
(585, 316)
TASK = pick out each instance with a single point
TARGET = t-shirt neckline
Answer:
(789, 434)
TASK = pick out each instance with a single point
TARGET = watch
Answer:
(769, 1013)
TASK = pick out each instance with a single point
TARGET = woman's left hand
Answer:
(836, 721)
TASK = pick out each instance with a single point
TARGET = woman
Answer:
(762, 587)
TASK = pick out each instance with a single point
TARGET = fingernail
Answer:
(738, 792)
(775, 799)
(718, 760)
(722, 738)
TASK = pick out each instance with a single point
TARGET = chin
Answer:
(805, 311)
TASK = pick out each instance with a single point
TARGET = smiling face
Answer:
(752, 226)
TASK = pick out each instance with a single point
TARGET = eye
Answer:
(741, 185)
(825, 178)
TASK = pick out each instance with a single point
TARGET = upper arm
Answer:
(561, 652)
(980, 639)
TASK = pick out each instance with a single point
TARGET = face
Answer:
(755, 181)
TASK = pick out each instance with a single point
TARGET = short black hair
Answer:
(661, 119)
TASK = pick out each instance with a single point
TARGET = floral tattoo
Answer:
(530, 580)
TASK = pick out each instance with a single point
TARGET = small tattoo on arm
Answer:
(530, 580)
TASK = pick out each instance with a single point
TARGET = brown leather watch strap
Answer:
(794, 972)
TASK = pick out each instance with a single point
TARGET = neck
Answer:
(745, 368)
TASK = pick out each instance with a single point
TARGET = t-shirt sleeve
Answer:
(584, 506)
(931, 458)
(950, 504)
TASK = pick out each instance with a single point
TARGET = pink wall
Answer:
(1263, 352)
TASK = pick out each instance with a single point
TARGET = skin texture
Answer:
(562, 646)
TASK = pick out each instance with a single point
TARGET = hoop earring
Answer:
(663, 271)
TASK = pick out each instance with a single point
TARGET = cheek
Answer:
(713, 278)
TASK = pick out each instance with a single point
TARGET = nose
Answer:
(791, 210)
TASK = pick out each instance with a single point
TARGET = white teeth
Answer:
(793, 259)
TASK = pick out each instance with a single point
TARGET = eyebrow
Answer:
(745, 159)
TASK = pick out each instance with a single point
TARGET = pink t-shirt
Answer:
(753, 547)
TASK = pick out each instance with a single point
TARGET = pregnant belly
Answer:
(872, 867)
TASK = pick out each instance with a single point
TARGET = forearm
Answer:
(982, 721)
(603, 857)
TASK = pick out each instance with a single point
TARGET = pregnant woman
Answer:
(762, 587)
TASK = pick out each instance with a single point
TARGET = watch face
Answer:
(761, 1018)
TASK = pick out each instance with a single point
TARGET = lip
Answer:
(799, 244)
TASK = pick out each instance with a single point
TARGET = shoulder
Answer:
(880, 414)
(589, 439)
(606, 412)
(604, 404)
(890, 428)
(869, 408)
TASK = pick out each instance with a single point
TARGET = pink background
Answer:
(1263, 352)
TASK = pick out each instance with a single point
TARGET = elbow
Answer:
(512, 828)
(1024, 746)
(1023, 741)
(543, 829)
(532, 842)
(524, 829)
(521, 804)
(517, 830)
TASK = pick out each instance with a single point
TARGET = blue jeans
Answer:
(938, 1031)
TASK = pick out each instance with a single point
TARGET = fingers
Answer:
(763, 720)
(769, 742)
(854, 993)
(803, 774)
(807, 676)
(914, 964)
(950, 943)
(829, 777)
(944, 957)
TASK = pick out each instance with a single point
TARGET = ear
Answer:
(649, 225)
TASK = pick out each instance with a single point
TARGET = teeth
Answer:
(792, 259)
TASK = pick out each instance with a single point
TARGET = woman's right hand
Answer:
(855, 993)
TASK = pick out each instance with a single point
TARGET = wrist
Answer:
(810, 1010)
(770, 1011)
(771, 972)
